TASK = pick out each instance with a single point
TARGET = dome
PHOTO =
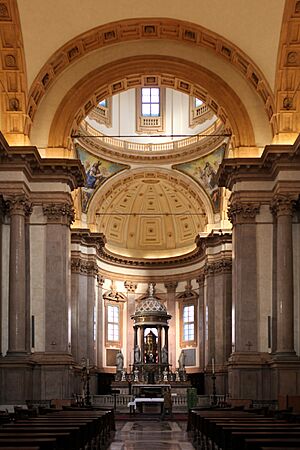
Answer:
(151, 307)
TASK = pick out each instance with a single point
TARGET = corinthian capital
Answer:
(59, 213)
(18, 204)
(283, 205)
(130, 286)
(240, 212)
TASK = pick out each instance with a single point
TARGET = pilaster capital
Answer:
(100, 279)
(18, 204)
(59, 213)
(217, 267)
(130, 286)
(282, 205)
(85, 267)
(242, 212)
(200, 279)
(171, 286)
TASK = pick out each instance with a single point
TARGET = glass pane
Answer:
(198, 102)
(110, 313)
(155, 94)
(155, 110)
(103, 103)
(146, 95)
(146, 109)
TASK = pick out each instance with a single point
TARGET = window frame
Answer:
(108, 342)
(198, 114)
(182, 306)
(150, 124)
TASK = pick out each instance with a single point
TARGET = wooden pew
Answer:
(255, 444)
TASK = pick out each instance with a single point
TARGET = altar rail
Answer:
(179, 401)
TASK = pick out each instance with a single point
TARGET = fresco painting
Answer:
(204, 171)
(97, 171)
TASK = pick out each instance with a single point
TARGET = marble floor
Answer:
(151, 434)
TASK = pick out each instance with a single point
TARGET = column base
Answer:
(285, 356)
(285, 369)
(15, 379)
(249, 376)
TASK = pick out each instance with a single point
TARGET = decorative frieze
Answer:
(283, 205)
(59, 213)
(240, 212)
(83, 266)
(222, 266)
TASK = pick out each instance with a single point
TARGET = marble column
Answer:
(91, 303)
(131, 288)
(171, 308)
(159, 343)
(18, 207)
(2, 214)
(201, 322)
(244, 275)
(210, 303)
(58, 284)
(283, 207)
(100, 322)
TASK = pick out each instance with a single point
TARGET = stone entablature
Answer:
(275, 159)
(37, 169)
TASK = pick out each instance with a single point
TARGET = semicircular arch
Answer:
(172, 72)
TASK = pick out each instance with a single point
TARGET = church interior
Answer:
(149, 202)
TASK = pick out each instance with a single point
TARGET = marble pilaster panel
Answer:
(171, 308)
(201, 322)
(244, 275)
(131, 288)
(100, 322)
(58, 281)
(91, 304)
(283, 208)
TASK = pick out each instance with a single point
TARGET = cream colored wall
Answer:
(254, 26)
(176, 113)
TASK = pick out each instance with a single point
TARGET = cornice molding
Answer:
(87, 238)
(214, 239)
(274, 159)
(37, 169)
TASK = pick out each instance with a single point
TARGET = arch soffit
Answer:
(147, 29)
(171, 72)
(175, 178)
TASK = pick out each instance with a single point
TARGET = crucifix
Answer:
(249, 345)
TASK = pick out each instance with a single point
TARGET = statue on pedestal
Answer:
(181, 360)
(164, 355)
(137, 355)
(119, 361)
